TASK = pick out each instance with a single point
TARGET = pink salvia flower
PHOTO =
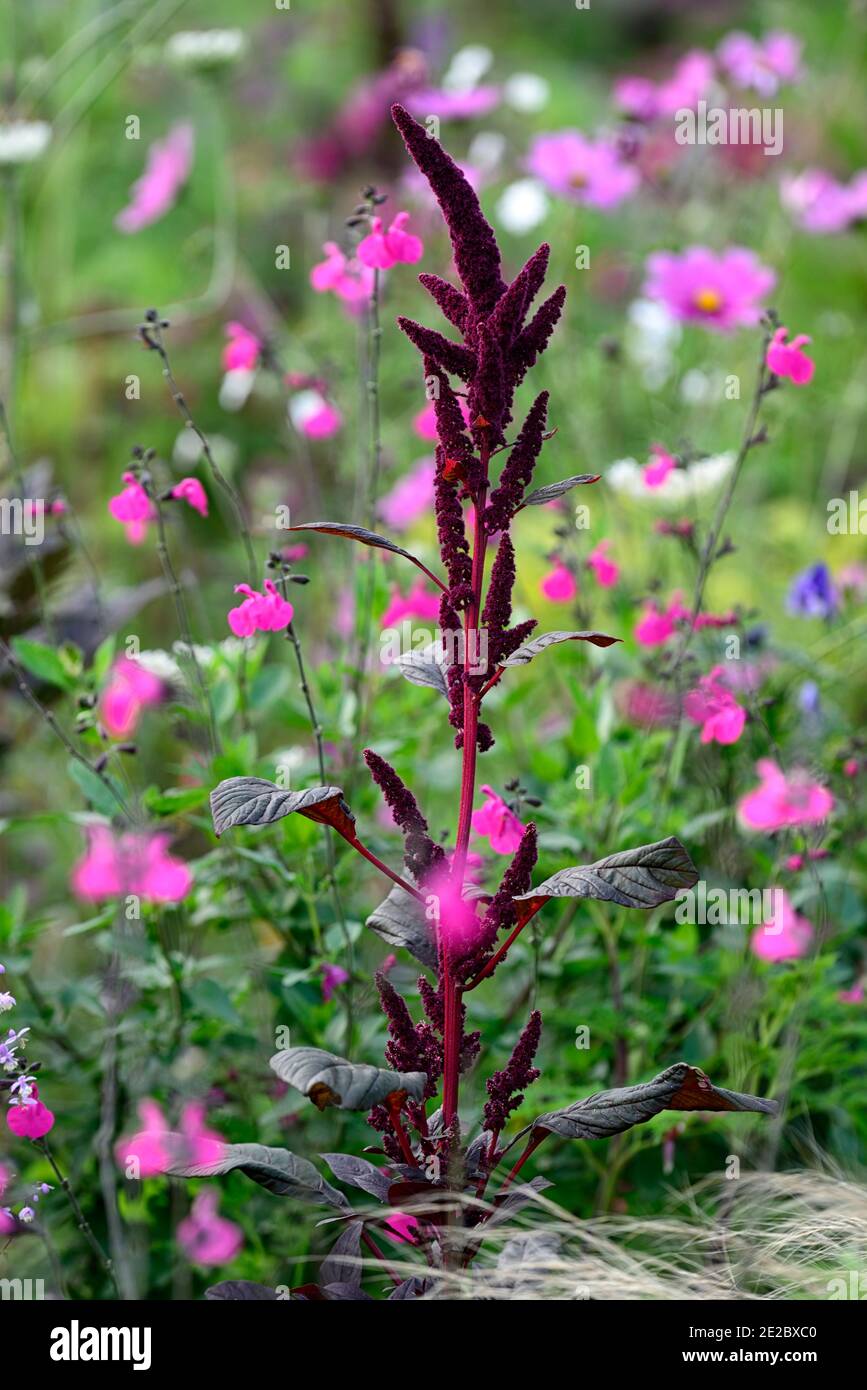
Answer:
(242, 351)
(146, 1153)
(114, 866)
(401, 1228)
(191, 490)
(27, 1117)
(206, 1238)
(381, 250)
(714, 707)
(167, 169)
(418, 603)
(453, 916)
(722, 292)
(559, 585)
(656, 625)
(583, 170)
(782, 800)
(789, 359)
(411, 497)
(133, 508)
(268, 612)
(607, 571)
(313, 415)
(498, 823)
(656, 472)
(345, 277)
(786, 937)
(855, 995)
(130, 689)
(762, 64)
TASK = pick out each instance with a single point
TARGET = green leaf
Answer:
(43, 662)
(174, 800)
(94, 789)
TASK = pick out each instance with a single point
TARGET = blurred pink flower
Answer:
(333, 976)
(155, 1147)
(382, 250)
(205, 1237)
(699, 286)
(453, 915)
(241, 353)
(787, 936)
(821, 204)
(166, 171)
(190, 490)
(498, 823)
(346, 277)
(129, 690)
(411, 497)
(789, 359)
(583, 170)
(116, 865)
(268, 612)
(649, 706)
(655, 473)
(656, 625)
(425, 423)
(133, 508)
(782, 800)
(646, 100)
(559, 585)
(713, 706)
(855, 995)
(314, 415)
(455, 105)
(418, 603)
(851, 767)
(763, 64)
(607, 571)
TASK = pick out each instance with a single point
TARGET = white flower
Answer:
(206, 47)
(236, 387)
(160, 664)
(486, 151)
(303, 405)
(522, 206)
(695, 387)
(23, 141)
(681, 485)
(467, 67)
(650, 341)
(526, 91)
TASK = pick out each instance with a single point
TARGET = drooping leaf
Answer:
(357, 1172)
(242, 1291)
(535, 645)
(680, 1087)
(342, 1264)
(541, 495)
(255, 801)
(329, 1080)
(365, 537)
(642, 877)
(400, 921)
(423, 667)
(282, 1172)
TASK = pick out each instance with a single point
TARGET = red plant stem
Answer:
(402, 1138)
(534, 1143)
(492, 682)
(498, 956)
(489, 1165)
(383, 868)
(451, 987)
(375, 1250)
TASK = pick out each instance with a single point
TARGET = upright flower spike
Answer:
(504, 1086)
(421, 853)
(532, 341)
(501, 914)
(518, 472)
(497, 611)
(454, 305)
(452, 536)
(450, 422)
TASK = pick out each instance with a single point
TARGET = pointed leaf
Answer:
(242, 1291)
(425, 667)
(329, 1080)
(528, 650)
(282, 1172)
(680, 1087)
(541, 495)
(365, 537)
(342, 1265)
(642, 877)
(255, 801)
(357, 1172)
(400, 921)
(410, 1288)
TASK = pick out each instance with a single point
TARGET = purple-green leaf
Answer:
(642, 877)
(329, 1080)
(255, 801)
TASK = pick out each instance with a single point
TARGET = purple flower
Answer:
(582, 170)
(720, 291)
(813, 593)
(333, 976)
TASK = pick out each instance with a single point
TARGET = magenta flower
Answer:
(657, 624)
(411, 497)
(713, 706)
(27, 1116)
(559, 585)
(114, 866)
(782, 800)
(242, 351)
(762, 64)
(465, 105)
(345, 277)
(855, 995)
(789, 359)
(582, 170)
(498, 823)
(314, 415)
(133, 508)
(699, 286)
(787, 936)
(655, 473)
(821, 204)
(425, 423)
(454, 916)
(268, 612)
(190, 490)
(205, 1237)
(401, 1228)
(646, 100)
(333, 976)
(607, 571)
(381, 250)
(155, 1148)
(167, 169)
(130, 689)
(418, 603)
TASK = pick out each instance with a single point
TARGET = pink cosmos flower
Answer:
(607, 571)
(585, 171)
(467, 105)
(133, 508)
(27, 1116)
(713, 706)
(498, 823)
(782, 800)
(268, 612)
(343, 276)
(130, 689)
(314, 415)
(167, 169)
(646, 100)
(381, 250)
(418, 603)
(411, 497)
(762, 64)
(821, 204)
(855, 995)
(205, 1237)
(788, 359)
(786, 937)
(333, 976)
(559, 585)
(719, 291)
(242, 351)
(114, 866)
(655, 473)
